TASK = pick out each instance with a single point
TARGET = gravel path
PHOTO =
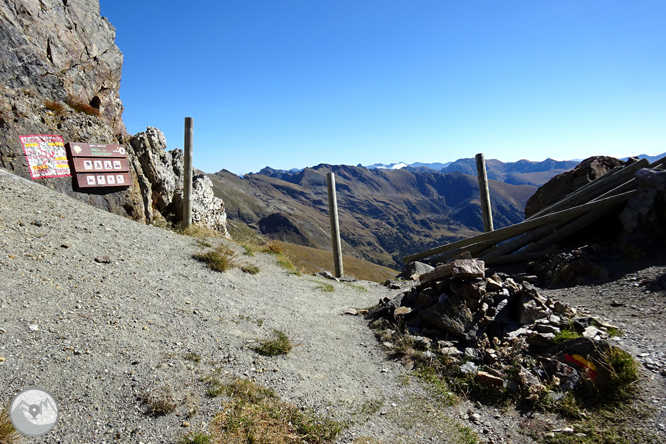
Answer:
(99, 311)
(98, 336)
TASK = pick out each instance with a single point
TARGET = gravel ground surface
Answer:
(99, 311)
(100, 335)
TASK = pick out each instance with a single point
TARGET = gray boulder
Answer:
(414, 270)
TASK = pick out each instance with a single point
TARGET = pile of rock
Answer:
(496, 321)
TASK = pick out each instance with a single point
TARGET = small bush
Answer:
(8, 434)
(219, 259)
(278, 345)
(80, 106)
(55, 106)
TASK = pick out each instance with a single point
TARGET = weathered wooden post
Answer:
(187, 174)
(485, 193)
(335, 225)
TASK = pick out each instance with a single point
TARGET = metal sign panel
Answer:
(104, 180)
(77, 149)
(45, 156)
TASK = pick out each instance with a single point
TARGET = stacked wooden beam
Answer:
(532, 238)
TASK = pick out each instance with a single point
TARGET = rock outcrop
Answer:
(644, 217)
(560, 186)
(60, 74)
(61, 49)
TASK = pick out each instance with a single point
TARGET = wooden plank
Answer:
(514, 258)
(567, 230)
(76, 149)
(522, 227)
(104, 180)
(519, 242)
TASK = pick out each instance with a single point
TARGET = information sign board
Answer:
(99, 165)
(45, 156)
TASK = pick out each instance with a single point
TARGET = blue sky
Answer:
(295, 83)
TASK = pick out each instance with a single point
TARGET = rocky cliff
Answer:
(60, 74)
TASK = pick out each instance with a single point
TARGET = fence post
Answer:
(335, 225)
(187, 174)
(485, 193)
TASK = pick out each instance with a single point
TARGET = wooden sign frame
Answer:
(99, 165)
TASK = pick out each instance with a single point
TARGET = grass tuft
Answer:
(219, 259)
(195, 438)
(57, 107)
(278, 345)
(254, 414)
(197, 230)
(566, 335)
(81, 106)
(8, 434)
(618, 382)
(273, 248)
(325, 286)
(192, 356)
(160, 402)
(251, 269)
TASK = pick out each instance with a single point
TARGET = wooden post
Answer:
(187, 174)
(335, 225)
(485, 193)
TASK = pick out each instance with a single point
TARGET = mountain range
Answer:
(385, 212)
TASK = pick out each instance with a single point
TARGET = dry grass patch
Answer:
(8, 434)
(254, 414)
(250, 269)
(57, 107)
(197, 230)
(312, 260)
(221, 258)
(81, 106)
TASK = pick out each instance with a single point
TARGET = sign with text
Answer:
(46, 156)
(96, 150)
(99, 165)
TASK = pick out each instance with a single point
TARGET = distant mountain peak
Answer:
(381, 166)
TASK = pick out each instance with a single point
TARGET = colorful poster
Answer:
(46, 156)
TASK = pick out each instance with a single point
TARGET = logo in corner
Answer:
(34, 412)
(77, 149)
